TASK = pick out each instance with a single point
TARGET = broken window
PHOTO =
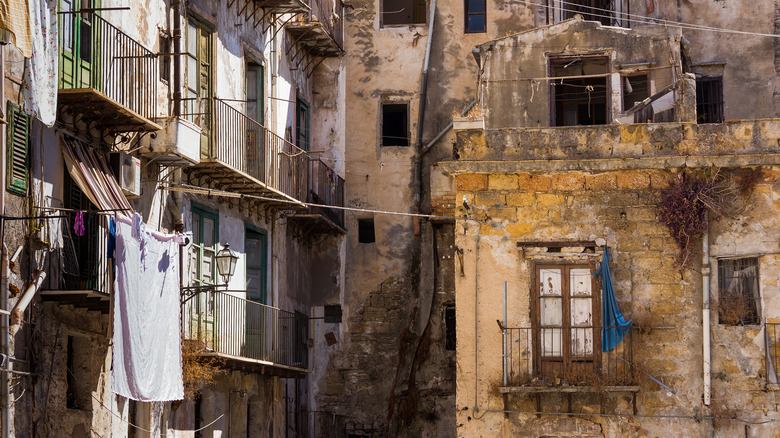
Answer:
(400, 12)
(366, 231)
(581, 95)
(739, 300)
(636, 88)
(449, 325)
(395, 124)
(709, 99)
(607, 12)
(476, 16)
(566, 338)
(165, 56)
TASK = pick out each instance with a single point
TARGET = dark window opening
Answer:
(79, 375)
(366, 231)
(399, 12)
(198, 415)
(709, 100)
(165, 59)
(580, 100)
(592, 10)
(739, 300)
(476, 16)
(449, 324)
(395, 124)
(635, 90)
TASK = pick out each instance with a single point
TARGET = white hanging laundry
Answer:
(147, 341)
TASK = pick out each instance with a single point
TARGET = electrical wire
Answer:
(186, 188)
(662, 416)
(644, 19)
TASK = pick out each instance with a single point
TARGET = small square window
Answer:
(366, 231)
(402, 12)
(739, 300)
(395, 124)
(476, 16)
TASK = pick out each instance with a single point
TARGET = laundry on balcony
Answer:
(615, 325)
(15, 25)
(147, 341)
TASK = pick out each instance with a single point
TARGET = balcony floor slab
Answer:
(94, 106)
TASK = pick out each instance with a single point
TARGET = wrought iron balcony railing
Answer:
(569, 357)
(228, 325)
(326, 188)
(233, 140)
(330, 13)
(96, 55)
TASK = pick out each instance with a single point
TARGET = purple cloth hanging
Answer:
(78, 225)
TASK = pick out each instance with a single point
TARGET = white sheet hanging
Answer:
(147, 340)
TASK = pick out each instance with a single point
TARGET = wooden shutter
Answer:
(18, 146)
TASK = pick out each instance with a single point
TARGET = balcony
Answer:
(242, 156)
(326, 188)
(84, 279)
(245, 334)
(566, 360)
(107, 79)
(318, 32)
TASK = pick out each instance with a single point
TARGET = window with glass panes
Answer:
(198, 77)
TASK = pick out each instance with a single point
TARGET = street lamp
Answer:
(226, 263)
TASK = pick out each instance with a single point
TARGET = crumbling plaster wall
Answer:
(748, 63)
(511, 62)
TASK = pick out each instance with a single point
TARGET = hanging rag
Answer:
(615, 325)
(78, 224)
(147, 342)
(41, 68)
(111, 238)
(15, 25)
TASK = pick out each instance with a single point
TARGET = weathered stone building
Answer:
(402, 156)
(229, 116)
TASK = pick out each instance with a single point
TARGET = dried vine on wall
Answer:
(685, 203)
(198, 371)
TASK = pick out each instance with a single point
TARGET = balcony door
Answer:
(255, 110)
(80, 46)
(199, 80)
(203, 272)
(565, 338)
(256, 245)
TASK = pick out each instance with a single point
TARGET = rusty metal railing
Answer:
(329, 13)
(225, 323)
(101, 56)
(326, 188)
(244, 144)
(567, 356)
(84, 265)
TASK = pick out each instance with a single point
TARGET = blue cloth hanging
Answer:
(615, 325)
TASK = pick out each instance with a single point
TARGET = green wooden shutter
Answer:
(18, 146)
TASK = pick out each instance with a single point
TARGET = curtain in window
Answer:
(615, 325)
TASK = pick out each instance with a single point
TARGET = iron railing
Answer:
(106, 59)
(550, 356)
(326, 188)
(329, 13)
(242, 143)
(83, 259)
(772, 339)
(228, 324)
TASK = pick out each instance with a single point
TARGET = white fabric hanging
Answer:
(147, 341)
(41, 68)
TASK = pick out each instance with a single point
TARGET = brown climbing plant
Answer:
(198, 371)
(694, 193)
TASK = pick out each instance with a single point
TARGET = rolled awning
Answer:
(90, 170)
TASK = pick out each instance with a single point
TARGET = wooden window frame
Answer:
(302, 133)
(714, 108)
(753, 315)
(467, 13)
(545, 366)
(250, 231)
(213, 214)
(418, 18)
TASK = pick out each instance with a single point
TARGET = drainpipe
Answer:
(506, 356)
(424, 80)
(25, 300)
(705, 313)
(176, 6)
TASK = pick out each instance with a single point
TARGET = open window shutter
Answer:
(18, 147)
